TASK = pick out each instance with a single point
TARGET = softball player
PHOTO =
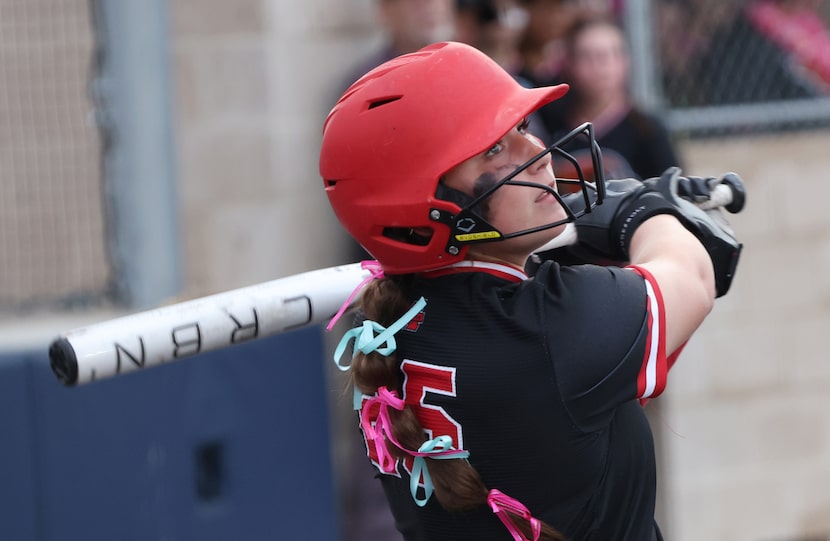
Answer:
(496, 405)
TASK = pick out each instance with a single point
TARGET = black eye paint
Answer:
(484, 182)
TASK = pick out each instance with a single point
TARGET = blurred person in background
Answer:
(407, 25)
(635, 142)
(541, 46)
(680, 39)
(798, 29)
(494, 27)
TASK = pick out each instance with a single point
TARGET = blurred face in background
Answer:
(548, 20)
(412, 24)
(598, 62)
(492, 26)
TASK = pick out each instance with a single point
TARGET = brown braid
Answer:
(458, 486)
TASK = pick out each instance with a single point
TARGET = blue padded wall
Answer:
(229, 445)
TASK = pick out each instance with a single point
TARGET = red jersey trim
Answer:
(651, 381)
(496, 269)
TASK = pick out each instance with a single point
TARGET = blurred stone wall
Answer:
(745, 421)
(254, 80)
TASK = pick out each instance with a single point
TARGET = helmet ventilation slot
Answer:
(408, 235)
(384, 101)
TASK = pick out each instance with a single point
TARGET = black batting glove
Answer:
(604, 234)
(709, 226)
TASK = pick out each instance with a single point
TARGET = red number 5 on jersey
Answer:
(419, 379)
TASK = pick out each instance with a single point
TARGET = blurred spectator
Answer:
(634, 142)
(493, 27)
(408, 25)
(681, 39)
(768, 50)
(796, 27)
(541, 47)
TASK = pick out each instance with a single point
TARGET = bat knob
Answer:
(736, 184)
(63, 361)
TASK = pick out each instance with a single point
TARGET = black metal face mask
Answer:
(470, 226)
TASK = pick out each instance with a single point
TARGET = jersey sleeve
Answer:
(651, 380)
(611, 348)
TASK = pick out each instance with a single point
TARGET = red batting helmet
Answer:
(398, 129)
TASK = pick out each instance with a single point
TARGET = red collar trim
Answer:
(506, 272)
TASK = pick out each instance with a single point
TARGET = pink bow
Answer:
(383, 425)
(501, 504)
(376, 273)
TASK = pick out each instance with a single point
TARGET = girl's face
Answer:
(511, 208)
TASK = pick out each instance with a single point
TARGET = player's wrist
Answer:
(644, 205)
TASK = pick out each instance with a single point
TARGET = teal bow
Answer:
(439, 448)
(366, 341)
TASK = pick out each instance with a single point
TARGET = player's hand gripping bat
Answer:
(176, 331)
(602, 235)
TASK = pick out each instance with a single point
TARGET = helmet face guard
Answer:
(468, 226)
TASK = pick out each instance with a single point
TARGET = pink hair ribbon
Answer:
(375, 273)
(383, 425)
(502, 504)
(377, 409)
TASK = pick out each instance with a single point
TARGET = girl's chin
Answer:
(559, 236)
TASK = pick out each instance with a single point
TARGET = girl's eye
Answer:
(498, 147)
(495, 149)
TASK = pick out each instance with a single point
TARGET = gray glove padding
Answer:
(700, 190)
(709, 226)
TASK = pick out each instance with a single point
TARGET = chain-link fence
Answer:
(742, 65)
(52, 221)
(87, 201)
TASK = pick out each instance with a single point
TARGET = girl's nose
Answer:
(534, 147)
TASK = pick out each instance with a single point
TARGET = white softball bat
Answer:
(722, 195)
(172, 332)
(176, 331)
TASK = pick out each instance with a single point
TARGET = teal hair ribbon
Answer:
(439, 448)
(366, 341)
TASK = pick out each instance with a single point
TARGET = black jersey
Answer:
(539, 379)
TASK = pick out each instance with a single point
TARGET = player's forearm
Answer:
(683, 271)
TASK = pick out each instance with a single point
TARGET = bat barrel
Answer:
(169, 333)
